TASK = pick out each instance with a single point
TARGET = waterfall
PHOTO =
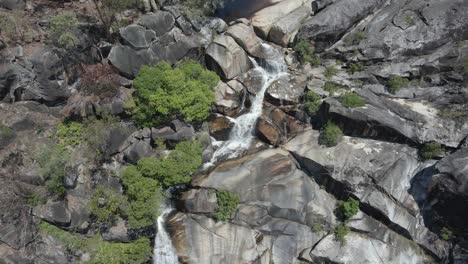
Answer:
(164, 252)
(271, 68)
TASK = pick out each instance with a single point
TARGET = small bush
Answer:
(305, 51)
(107, 205)
(355, 67)
(351, 100)
(312, 102)
(138, 251)
(61, 30)
(53, 161)
(347, 209)
(34, 199)
(144, 196)
(395, 83)
(330, 71)
(332, 87)
(330, 135)
(71, 242)
(69, 133)
(177, 167)
(100, 80)
(227, 205)
(356, 37)
(163, 93)
(316, 228)
(446, 234)
(431, 150)
(15, 26)
(340, 233)
(6, 134)
(97, 133)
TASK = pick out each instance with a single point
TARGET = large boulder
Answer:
(368, 170)
(54, 212)
(244, 35)
(227, 58)
(160, 22)
(285, 29)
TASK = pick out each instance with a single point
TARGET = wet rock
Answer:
(448, 194)
(286, 91)
(226, 57)
(220, 127)
(245, 36)
(54, 212)
(267, 131)
(117, 233)
(252, 80)
(199, 201)
(227, 99)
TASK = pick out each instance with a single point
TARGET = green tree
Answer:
(177, 167)
(53, 161)
(106, 205)
(164, 92)
(305, 51)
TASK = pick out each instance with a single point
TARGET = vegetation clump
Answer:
(316, 228)
(340, 233)
(34, 199)
(331, 87)
(61, 31)
(395, 83)
(144, 196)
(312, 102)
(305, 51)
(53, 162)
(100, 80)
(356, 67)
(164, 93)
(227, 205)
(69, 133)
(6, 134)
(109, 9)
(330, 71)
(177, 167)
(330, 135)
(71, 242)
(347, 209)
(431, 150)
(15, 26)
(446, 234)
(107, 205)
(356, 37)
(351, 100)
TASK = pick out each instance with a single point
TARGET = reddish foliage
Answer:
(99, 79)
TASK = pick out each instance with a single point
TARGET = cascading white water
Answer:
(164, 252)
(240, 138)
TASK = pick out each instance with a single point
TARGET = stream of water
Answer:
(270, 68)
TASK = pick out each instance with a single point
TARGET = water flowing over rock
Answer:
(242, 133)
(163, 252)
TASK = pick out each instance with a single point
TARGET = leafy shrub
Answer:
(312, 102)
(71, 242)
(69, 133)
(138, 251)
(177, 167)
(53, 161)
(316, 228)
(351, 100)
(61, 30)
(106, 205)
(332, 87)
(330, 71)
(227, 205)
(144, 196)
(15, 26)
(100, 80)
(347, 209)
(164, 92)
(395, 83)
(356, 37)
(305, 51)
(431, 150)
(330, 135)
(356, 67)
(446, 234)
(340, 233)
(97, 133)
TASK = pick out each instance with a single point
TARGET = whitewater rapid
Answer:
(164, 252)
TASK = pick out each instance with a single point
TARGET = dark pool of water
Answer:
(234, 9)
